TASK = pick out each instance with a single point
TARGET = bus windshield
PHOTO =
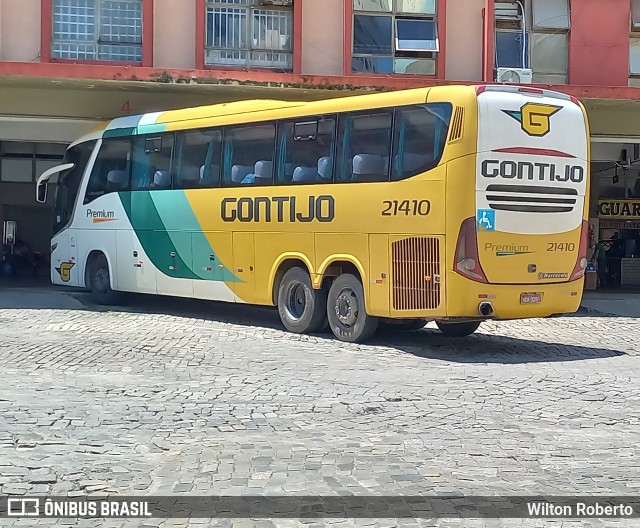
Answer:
(69, 184)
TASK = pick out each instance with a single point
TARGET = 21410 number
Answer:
(406, 207)
(561, 246)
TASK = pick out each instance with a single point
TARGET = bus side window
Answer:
(152, 162)
(419, 138)
(198, 159)
(364, 143)
(111, 170)
(305, 151)
(249, 155)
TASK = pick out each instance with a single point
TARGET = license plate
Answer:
(530, 298)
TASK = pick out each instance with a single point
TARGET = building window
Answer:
(250, 33)
(23, 162)
(533, 34)
(108, 30)
(394, 36)
(634, 41)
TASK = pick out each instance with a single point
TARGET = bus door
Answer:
(135, 270)
(243, 266)
(379, 266)
(175, 261)
(210, 251)
(64, 259)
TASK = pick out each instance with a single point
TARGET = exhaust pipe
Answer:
(485, 309)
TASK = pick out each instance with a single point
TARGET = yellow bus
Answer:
(452, 204)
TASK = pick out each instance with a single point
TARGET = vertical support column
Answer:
(488, 53)
(201, 7)
(348, 37)
(442, 36)
(297, 36)
(147, 33)
(46, 18)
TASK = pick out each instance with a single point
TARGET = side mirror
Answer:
(43, 180)
(41, 191)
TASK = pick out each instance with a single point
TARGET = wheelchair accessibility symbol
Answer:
(486, 220)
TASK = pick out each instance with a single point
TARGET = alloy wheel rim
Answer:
(295, 301)
(347, 307)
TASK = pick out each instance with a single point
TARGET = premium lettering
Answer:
(278, 209)
(100, 214)
(505, 247)
(525, 170)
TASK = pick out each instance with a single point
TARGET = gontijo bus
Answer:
(448, 204)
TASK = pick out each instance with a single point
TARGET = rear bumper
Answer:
(464, 297)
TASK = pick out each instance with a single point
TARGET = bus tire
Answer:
(100, 282)
(458, 329)
(302, 309)
(346, 312)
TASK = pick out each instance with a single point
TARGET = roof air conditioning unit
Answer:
(515, 75)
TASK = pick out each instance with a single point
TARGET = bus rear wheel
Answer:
(100, 282)
(346, 312)
(458, 329)
(302, 309)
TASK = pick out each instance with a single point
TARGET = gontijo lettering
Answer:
(525, 170)
(278, 208)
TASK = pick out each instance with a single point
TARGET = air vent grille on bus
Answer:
(416, 273)
(457, 124)
(530, 199)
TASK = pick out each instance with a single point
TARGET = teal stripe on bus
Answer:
(118, 132)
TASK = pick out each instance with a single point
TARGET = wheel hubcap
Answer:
(295, 301)
(347, 307)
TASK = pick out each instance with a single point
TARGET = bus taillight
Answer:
(467, 259)
(581, 261)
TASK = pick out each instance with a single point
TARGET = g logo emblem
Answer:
(65, 271)
(535, 118)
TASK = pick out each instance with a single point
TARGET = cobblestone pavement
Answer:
(167, 396)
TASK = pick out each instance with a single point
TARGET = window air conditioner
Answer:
(507, 11)
(514, 75)
(275, 2)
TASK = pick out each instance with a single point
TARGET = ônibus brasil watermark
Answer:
(306, 506)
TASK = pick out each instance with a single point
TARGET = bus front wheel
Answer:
(458, 329)
(302, 309)
(100, 282)
(346, 312)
